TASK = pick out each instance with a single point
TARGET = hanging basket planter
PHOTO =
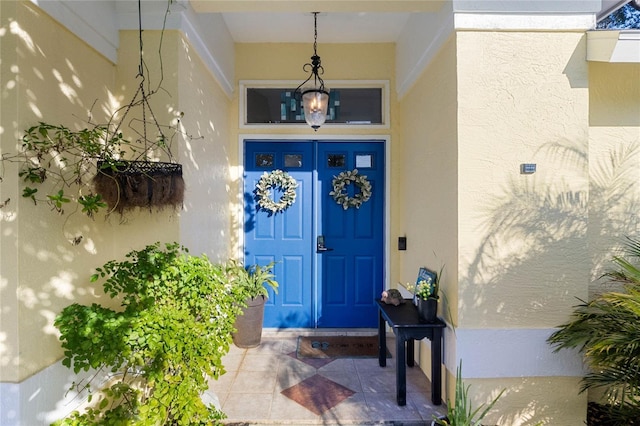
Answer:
(130, 184)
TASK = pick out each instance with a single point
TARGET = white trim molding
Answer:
(94, 22)
(524, 22)
(45, 397)
(613, 46)
(497, 353)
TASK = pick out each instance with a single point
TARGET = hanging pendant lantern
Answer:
(315, 99)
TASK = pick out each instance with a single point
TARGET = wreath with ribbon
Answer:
(276, 179)
(340, 184)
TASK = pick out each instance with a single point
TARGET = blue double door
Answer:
(329, 260)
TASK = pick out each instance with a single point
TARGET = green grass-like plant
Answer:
(461, 411)
(173, 328)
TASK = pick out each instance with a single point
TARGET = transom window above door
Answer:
(268, 104)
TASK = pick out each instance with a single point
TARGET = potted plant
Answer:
(606, 330)
(251, 285)
(426, 293)
(160, 347)
(461, 412)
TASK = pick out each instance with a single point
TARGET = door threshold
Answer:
(294, 332)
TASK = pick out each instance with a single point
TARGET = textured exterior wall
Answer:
(208, 159)
(523, 249)
(522, 98)
(48, 75)
(427, 185)
(514, 246)
(614, 152)
(427, 179)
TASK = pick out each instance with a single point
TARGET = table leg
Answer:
(401, 370)
(436, 367)
(410, 353)
(382, 342)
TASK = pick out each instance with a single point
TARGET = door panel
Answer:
(285, 237)
(351, 275)
(335, 287)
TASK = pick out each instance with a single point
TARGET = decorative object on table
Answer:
(342, 181)
(392, 297)
(276, 179)
(425, 293)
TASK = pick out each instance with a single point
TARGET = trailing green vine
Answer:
(68, 159)
(169, 336)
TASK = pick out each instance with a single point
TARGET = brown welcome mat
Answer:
(338, 347)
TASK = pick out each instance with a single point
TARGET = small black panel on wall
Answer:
(402, 243)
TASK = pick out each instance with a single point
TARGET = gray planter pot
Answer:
(249, 325)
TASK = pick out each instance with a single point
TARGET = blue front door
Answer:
(329, 260)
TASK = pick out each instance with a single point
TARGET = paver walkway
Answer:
(270, 385)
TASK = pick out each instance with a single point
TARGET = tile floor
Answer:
(270, 385)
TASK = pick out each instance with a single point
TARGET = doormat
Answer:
(338, 347)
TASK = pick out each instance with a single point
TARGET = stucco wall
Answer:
(523, 98)
(614, 151)
(427, 179)
(207, 153)
(514, 246)
(49, 74)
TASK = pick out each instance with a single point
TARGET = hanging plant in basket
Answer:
(129, 184)
(271, 181)
(342, 181)
(99, 168)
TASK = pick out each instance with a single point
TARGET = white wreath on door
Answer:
(345, 179)
(276, 179)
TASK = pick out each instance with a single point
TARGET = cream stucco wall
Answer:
(514, 246)
(207, 154)
(49, 74)
(523, 98)
(427, 180)
(614, 150)
(193, 103)
(523, 251)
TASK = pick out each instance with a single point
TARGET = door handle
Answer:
(320, 247)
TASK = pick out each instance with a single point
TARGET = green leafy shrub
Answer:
(607, 331)
(175, 326)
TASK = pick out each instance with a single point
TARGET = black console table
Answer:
(407, 326)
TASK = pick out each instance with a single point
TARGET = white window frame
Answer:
(331, 84)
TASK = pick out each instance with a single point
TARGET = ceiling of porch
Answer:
(344, 21)
(357, 21)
